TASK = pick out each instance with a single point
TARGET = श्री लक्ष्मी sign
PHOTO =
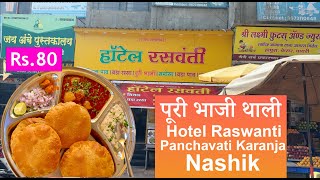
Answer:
(272, 43)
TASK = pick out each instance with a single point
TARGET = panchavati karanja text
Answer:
(219, 131)
(240, 145)
(246, 163)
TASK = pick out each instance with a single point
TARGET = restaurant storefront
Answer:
(145, 63)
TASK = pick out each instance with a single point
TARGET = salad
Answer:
(38, 98)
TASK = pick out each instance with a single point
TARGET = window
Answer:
(115, 6)
(122, 6)
(24, 8)
(138, 6)
(9, 7)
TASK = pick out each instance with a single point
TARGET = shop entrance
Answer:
(140, 117)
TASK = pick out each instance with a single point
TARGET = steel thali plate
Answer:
(10, 121)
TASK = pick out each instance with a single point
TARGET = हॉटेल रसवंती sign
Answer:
(272, 43)
(141, 94)
(151, 55)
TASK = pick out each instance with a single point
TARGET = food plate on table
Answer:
(69, 117)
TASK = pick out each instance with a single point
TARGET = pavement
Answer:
(140, 172)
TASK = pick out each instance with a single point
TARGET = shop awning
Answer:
(282, 77)
(226, 75)
(297, 77)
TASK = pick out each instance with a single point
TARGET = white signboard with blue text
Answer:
(193, 4)
(288, 11)
(78, 9)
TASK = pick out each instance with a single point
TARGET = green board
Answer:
(32, 30)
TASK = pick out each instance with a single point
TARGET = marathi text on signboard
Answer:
(154, 56)
(272, 43)
(142, 94)
(78, 9)
(221, 136)
(289, 11)
(193, 4)
(22, 30)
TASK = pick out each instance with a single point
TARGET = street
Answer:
(140, 172)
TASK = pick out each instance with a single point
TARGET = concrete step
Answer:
(135, 162)
(139, 149)
(140, 146)
(143, 153)
(139, 156)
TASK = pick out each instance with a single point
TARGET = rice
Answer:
(108, 125)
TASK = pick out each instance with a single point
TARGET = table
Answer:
(293, 168)
(302, 170)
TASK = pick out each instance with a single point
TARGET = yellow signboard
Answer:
(272, 43)
(152, 55)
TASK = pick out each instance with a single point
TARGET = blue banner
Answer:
(288, 11)
(193, 4)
